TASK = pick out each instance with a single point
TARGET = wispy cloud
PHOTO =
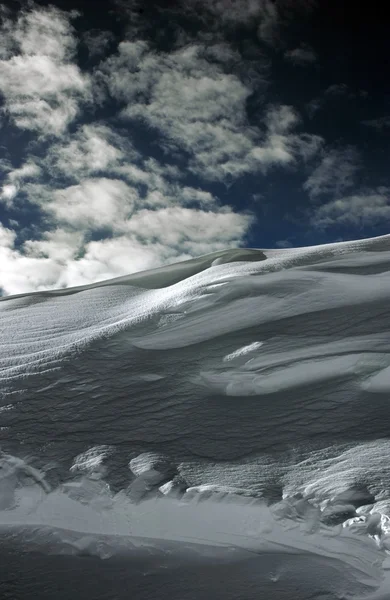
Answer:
(359, 210)
(90, 150)
(380, 124)
(335, 93)
(283, 244)
(302, 56)
(139, 185)
(64, 258)
(97, 42)
(41, 85)
(15, 179)
(267, 17)
(334, 174)
(201, 110)
(106, 209)
(263, 15)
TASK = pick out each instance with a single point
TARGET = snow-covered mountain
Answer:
(249, 389)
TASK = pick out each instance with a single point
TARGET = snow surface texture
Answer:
(249, 390)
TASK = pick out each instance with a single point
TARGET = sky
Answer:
(137, 134)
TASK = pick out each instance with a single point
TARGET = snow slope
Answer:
(239, 375)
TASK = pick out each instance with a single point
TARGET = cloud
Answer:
(358, 210)
(41, 86)
(193, 231)
(302, 56)
(335, 173)
(380, 124)
(105, 208)
(335, 93)
(91, 149)
(337, 89)
(15, 179)
(222, 14)
(93, 204)
(281, 146)
(21, 273)
(200, 109)
(268, 30)
(7, 237)
(60, 245)
(63, 258)
(267, 17)
(8, 193)
(283, 244)
(97, 42)
(238, 11)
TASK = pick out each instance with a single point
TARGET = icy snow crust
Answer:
(252, 388)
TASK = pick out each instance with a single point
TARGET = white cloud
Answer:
(60, 245)
(152, 216)
(200, 109)
(7, 237)
(109, 258)
(187, 228)
(92, 149)
(15, 179)
(334, 174)
(90, 179)
(302, 56)
(283, 244)
(21, 273)
(92, 204)
(148, 239)
(29, 170)
(41, 86)
(358, 210)
(8, 193)
(281, 146)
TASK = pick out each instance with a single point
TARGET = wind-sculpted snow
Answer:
(248, 392)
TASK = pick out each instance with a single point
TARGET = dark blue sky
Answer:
(136, 134)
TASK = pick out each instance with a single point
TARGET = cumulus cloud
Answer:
(91, 149)
(63, 258)
(302, 56)
(15, 179)
(93, 204)
(189, 229)
(20, 273)
(281, 146)
(41, 85)
(60, 245)
(359, 210)
(334, 174)
(201, 110)
(106, 207)
(8, 193)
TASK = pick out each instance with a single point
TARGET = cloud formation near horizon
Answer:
(91, 182)
(124, 160)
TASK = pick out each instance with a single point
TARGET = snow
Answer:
(257, 369)
(242, 526)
